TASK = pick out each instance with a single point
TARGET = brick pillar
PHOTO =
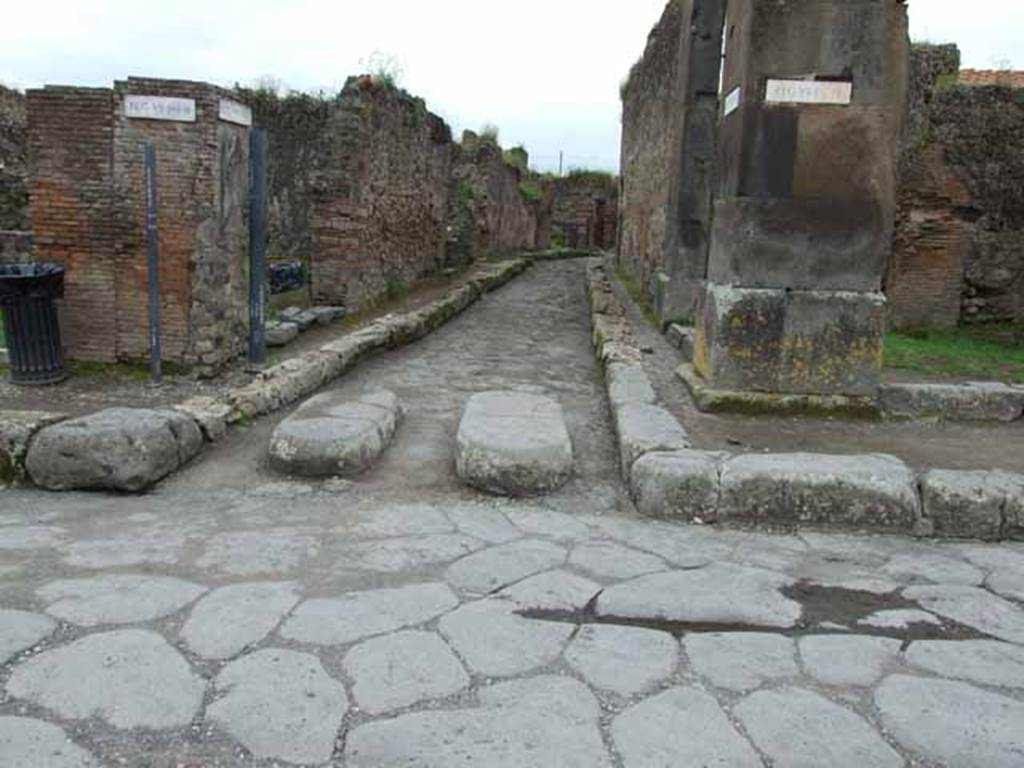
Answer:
(814, 102)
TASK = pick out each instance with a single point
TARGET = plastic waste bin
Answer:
(27, 296)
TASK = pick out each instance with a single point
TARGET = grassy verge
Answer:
(981, 352)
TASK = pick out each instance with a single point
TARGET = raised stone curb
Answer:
(668, 479)
(16, 429)
(328, 438)
(681, 337)
(973, 401)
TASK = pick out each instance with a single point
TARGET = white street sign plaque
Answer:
(233, 112)
(732, 101)
(160, 108)
(809, 92)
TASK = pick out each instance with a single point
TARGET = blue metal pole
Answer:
(257, 248)
(153, 265)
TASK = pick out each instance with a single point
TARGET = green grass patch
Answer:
(981, 352)
(636, 292)
(531, 191)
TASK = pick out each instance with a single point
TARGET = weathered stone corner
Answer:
(17, 428)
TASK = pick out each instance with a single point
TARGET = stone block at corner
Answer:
(119, 449)
(628, 384)
(861, 491)
(986, 505)
(644, 428)
(678, 485)
(976, 401)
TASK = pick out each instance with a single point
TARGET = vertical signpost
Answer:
(153, 266)
(257, 249)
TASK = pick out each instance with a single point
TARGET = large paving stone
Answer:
(228, 620)
(986, 662)
(552, 591)
(402, 669)
(20, 630)
(608, 560)
(280, 705)
(682, 485)
(260, 552)
(741, 661)
(329, 437)
(874, 491)
(848, 661)
(405, 553)
(496, 642)
(682, 728)
(490, 569)
(536, 723)
(117, 598)
(973, 607)
(717, 594)
(484, 523)
(624, 660)
(337, 621)
(513, 443)
(956, 402)
(538, 521)
(26, 743)
(130, 679)
(934, 568)
(972, 504)
(119, 449)
(281, 334)
(951, 723)
(798, 728)
(644, 428)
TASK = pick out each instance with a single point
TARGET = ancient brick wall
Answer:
(585, 210)
(13, 160)
(380, 195)
(89, 214)
(958, 253)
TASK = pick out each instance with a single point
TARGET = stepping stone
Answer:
(399, 670)
(27, 743)
(119, 449)
(327, 437)
(117, 598)
(228, 620)
(303, 318)
(330, 621)
(794, 727)
(535, 723)
(740, 661)
(20, 630)
(130, 679)
(951, 723)
(280, 705)
(680, 727)
(514, 444)
(624, 660)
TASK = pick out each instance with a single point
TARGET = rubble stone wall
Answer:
(13, 160)
(585, 210)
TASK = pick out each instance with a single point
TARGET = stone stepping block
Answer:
(328, 437)
(513, 444)
(281, 334)
(119, 449)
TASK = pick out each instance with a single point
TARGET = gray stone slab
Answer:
(280, 705)
(1008, 583)
(329, 437)
(985, 662)
(849, 661)
(934, 568)
(281, 334)
(682, 728)
(514, 444)
(405, 553)
(119, 449)
(798, 728)
(117, 598)
(484, 523)
(402, 669)
(628, 384)
(20, 630)
(267, 551)
(230, 619)
(496, 642)
(741, 661)
(157, 545)
(539, 521)
(954, 402)
(871, 491)
(552, 591)
(973, 607)
(623, 660)
(681, 485)
(338, 621)
(608, 560)
(493, 568)
(645, 428)
(16, 429)
(26, 743)
(951, 723)
(398, 520)
(130, 679)
(31, 537)
(970, 504)
(327, 315)
(536, 723)
(716, 594)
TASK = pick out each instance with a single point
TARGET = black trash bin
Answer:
(27, 294)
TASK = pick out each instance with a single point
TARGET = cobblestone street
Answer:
(235, 617)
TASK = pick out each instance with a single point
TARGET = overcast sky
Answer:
(546, 72)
